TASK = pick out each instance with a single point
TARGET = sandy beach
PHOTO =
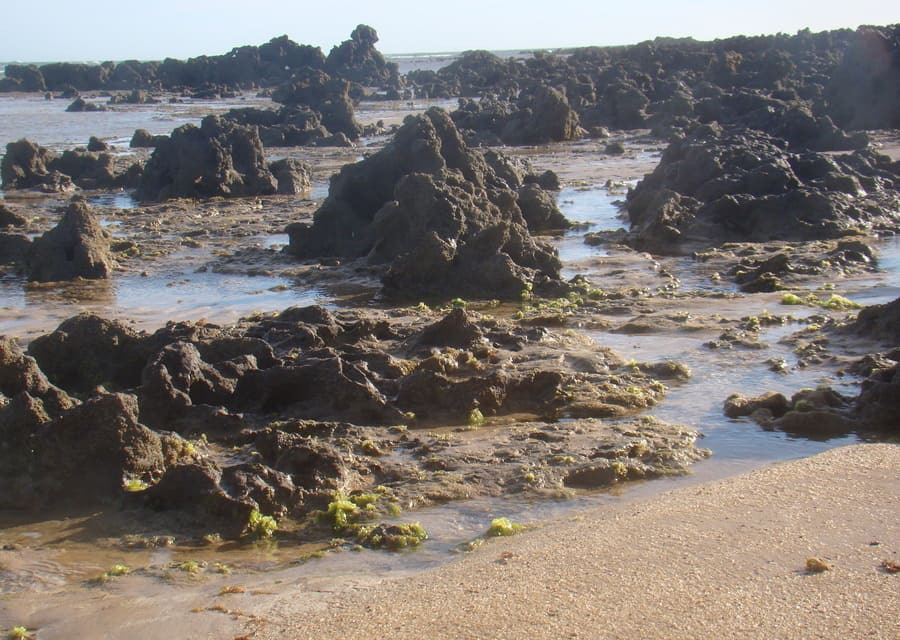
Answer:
(719, 560)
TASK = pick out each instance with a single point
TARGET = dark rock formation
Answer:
(863, 92)
(293, 176)
(80, 105)
(86, 351)
(358, 60)
(89, 451)
(289, 126)
(77, 247)
(537, 118)
(218, 158)
(13, 247)
(88, 169)
(10, 218)
(142, 139)
(718, 186)
(26, 166)
(96, 144)
(327, 96)
(135, 97)
(22, 77)
(435, 214)
(879, 322)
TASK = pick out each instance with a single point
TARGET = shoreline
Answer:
(720, 559)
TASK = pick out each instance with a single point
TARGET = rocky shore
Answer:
(460, 357)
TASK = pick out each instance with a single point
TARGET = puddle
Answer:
(118, 200)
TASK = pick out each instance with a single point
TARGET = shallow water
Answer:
(148, 302)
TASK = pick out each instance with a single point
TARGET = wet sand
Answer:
(719, 560)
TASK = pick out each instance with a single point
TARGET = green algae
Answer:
(504, 527)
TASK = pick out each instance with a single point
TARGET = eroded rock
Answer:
(435, 214)
(77, 247)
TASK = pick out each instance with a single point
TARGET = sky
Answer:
(97, 30)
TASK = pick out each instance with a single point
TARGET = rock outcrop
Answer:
(77, 247)
(743, 185)
(218, 158)
(435, 215)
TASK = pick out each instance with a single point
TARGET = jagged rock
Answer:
(26, 166)
(177, 380)
(879, 322)
(218, 158)
(328, 96)
(20, 373)
(538, 118)
(718, 186)
(358, 60)
(312, 463)
(351, 395)
(91, 449)
(194, 488)
(96, 144)
(142, 139)
(294, 177)
(10, 218)
(77, 247)
(86, 351)
(14, 247)
(81, 105)
(539, 209)
(435, 213)
(273, 492)
(88, 169)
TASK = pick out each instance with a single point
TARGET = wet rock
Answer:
(142, 139)
(26, 166)
(539, 209)
(10, 218)
(194, 488)
(879, 322)
(137, 96)
(88, 169)
(454, 330)
(80, 105)
(95, 144)
(14, 247)
(87, 351)
(878, 406)
(218, 158)
(293, 176)
(313, 463)
(718, 186)
(19, 373)
(179, 388)
(89, 451)
(434, 213)
(351, 394)
(273, 492)
(77, 247)
(737, 405)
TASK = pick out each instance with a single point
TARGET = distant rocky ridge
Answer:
(247, 67)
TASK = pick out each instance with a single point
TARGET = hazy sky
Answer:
(49, 30)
